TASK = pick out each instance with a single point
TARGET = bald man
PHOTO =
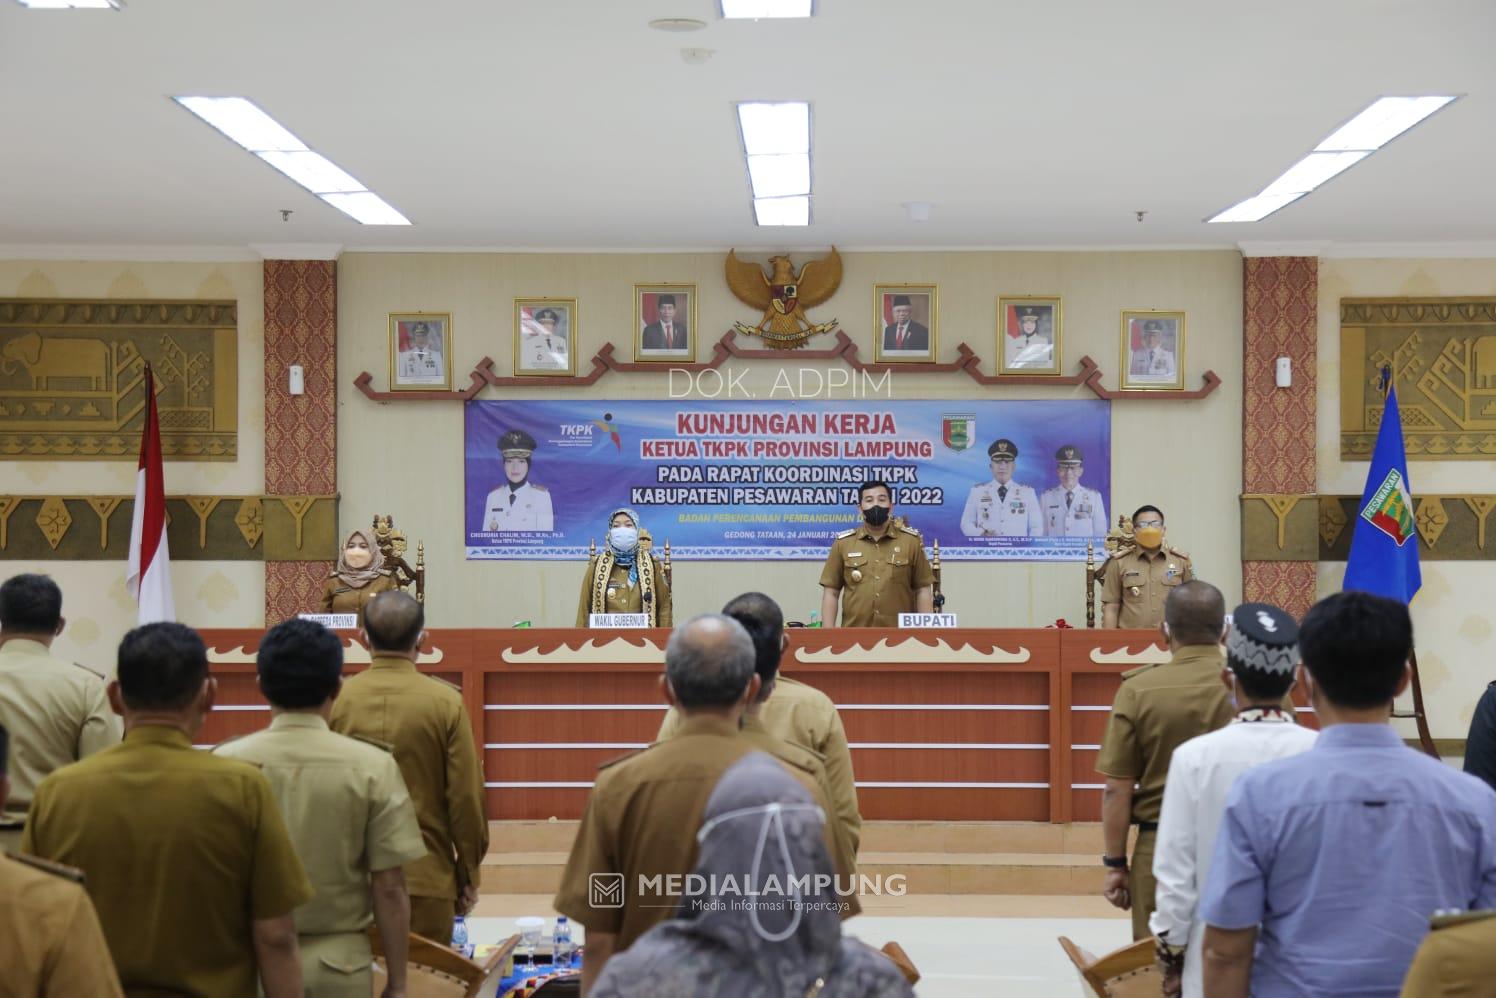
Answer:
(422, 720)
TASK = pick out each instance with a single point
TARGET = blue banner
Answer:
(734, 480)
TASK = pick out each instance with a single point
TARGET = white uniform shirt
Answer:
(1007, 510)
(529, 509)
(1156, 363)
(1201, 773)
(1083, 516)
(422, 366)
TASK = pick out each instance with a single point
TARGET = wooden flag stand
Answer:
(1417, 713)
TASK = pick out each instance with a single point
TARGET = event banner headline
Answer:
(735, 480)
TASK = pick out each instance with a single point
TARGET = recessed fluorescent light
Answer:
(782, 211)
(759, 9)
(779, 176)
(72, 4)
(775, 128)
(257, 132)
(1379, 124)
(1373, 128)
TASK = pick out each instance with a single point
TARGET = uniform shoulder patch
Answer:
(1460, 918)
(846, 533)
(92, 672)
(47, 866)
(1179, 551)
(909, 530)
(539, 488)
(382, 746)
(1139, 670)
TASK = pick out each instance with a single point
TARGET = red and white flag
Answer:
(149, 576)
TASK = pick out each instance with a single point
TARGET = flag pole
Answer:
(1420, 718)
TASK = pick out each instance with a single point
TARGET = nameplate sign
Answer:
(616, 620)
(332, 621)
(927, 620)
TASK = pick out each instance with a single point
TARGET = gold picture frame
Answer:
(1030, 334)
(545, 345)
(420, 351)
(921, 324)
(1147, 364)
(650, 330)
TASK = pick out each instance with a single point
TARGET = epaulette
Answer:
(91, 672)
(1449, 919)
(846, 533)
(909, 530)
(1177, 551)
(47, 866)
(797, 755)
(1140, 670)
(385, 746)
(627, 755)
(539, 488)
(452, 686)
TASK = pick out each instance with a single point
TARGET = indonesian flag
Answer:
(149, 576)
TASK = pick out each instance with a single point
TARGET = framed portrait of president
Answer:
(665, 323)
(1028, 335)
(907, 324)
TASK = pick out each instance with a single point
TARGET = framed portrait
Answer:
(905, 317)
(1029, 329)
(545, 336)
(665, 323)
(1152, 350)
(420, 351)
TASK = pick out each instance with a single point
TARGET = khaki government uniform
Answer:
(182, 851)
(844, 852)
(339, 597)
(1141, 580)
(1159, 708)
(346, 808)
(1457, 959)
(641, 821)
(803, 715)
(877, 577)
(56, 712)
(423, 720)
(51, 945)
(620, 597)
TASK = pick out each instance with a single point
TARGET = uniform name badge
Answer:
(617, 620)
(332, 621)
(927, 620)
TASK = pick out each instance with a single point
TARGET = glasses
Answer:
(1147, 523)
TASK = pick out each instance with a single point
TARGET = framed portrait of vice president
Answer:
(906, 323)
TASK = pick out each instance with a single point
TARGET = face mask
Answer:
(624, 538)
(875, 516)
(1149, 537)
(357, 557)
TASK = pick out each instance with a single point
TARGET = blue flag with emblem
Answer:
(1384, 546)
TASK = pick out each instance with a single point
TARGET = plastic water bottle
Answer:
(460, 937)
(561, 944)
(815, 618)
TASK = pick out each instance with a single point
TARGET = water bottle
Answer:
(460, 937)
(561, 944)
(815, 618)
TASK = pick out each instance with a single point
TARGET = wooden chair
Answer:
(1129, 972)
(392, 545)
(437, 971)
(1118, 541)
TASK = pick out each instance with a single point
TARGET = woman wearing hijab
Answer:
(761, 831)
(359, 577)
(624, 578)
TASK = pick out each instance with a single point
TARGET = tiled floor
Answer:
(964, 945)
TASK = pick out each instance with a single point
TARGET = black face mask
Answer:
(875, 516)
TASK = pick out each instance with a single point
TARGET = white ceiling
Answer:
(535, 124)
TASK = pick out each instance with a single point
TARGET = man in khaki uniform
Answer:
(791, 712)
(639, 828)
(346, 807)
(1457, 958)
(187, 859)
(1158, 708)
(423, 719)
(1137, 580)
(56, 711)
(876, 571)
(51, 945)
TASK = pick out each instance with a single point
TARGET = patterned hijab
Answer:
(357, 578)
(625, 558)
(760, 827)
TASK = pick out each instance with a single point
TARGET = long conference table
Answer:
(944, 725)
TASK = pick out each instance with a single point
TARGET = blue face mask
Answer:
(623, 538)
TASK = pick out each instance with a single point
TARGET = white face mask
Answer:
(624, 538)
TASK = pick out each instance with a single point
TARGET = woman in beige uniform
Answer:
(624, 578)
(359, 577)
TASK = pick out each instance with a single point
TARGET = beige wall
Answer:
(1452, 614)
(222, 594)
(406, 459)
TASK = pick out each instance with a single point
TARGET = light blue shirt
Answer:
(1341, 854)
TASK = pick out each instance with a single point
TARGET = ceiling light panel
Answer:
(779, 176)
(782, 211)
(255, 131)
(1373, 128)
(776, 143)
(760, 9)
(769, 129)
(71, 4)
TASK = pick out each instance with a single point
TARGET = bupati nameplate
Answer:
(72, 385)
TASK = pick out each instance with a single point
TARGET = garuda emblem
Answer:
(784, 296)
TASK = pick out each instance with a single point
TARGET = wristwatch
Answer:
(1114, 862)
